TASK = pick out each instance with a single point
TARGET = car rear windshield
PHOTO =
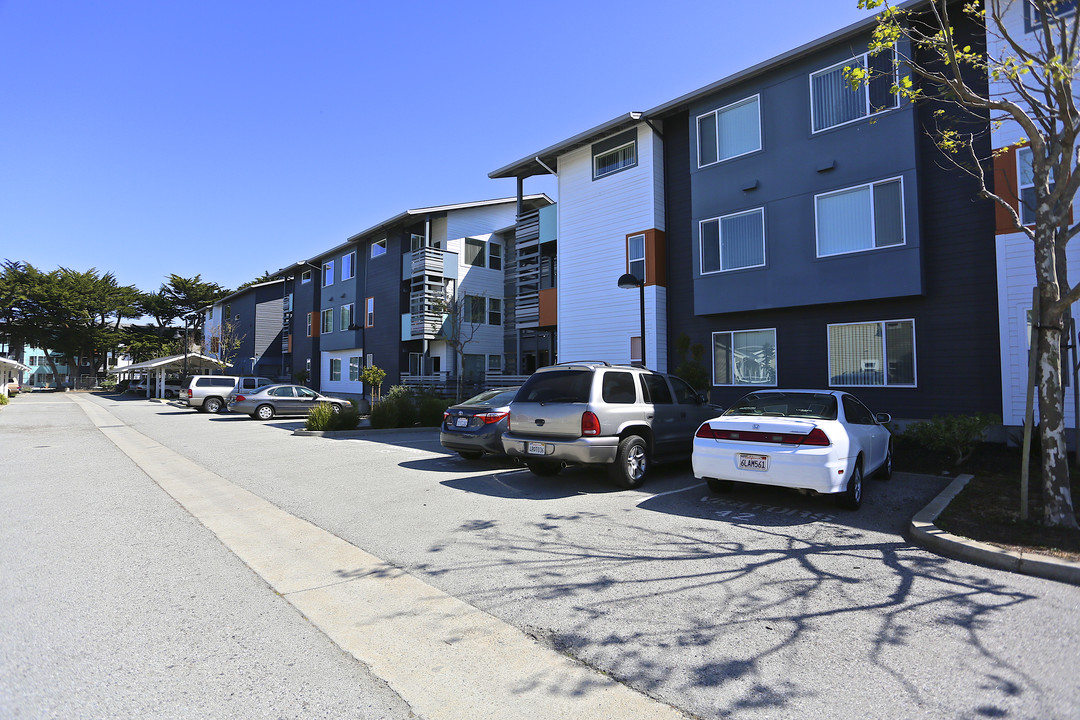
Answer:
(499, 396)
(816, 406)
(557, 386)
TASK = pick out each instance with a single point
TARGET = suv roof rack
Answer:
(605, 363)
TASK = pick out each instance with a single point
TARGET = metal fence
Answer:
(444, 385)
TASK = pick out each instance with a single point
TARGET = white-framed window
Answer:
(354, 368)
(495, 363)
(614, 160)
(1025, 182)
(495, 311)
(309, 324)
(307, 367)
(475, 307)
(348, 266)
(494, 256)
(305, 277)
(733, 242)
(730, 131)
(335, 369)
(346, 318)
(415, 242)
(833, 102)
(327, 321)
(872, 354)
(369, 313)
(744, 357)
(635, 349)
(370, 360)
(474, 252)
(865, 217)
(635, 256)
(378, 248)
(328, 273)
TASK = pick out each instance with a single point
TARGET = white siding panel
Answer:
(596, 318)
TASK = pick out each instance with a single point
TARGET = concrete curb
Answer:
(925, 533)
(361, 432)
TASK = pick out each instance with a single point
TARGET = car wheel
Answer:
(212, 405)
(544, 469)
(335, 408)
(631, 462)
(720, 486)
(471, 454)
(885, 471)
(264, 412)
(851, 499)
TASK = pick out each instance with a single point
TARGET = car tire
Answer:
(542, 468)
(212, 405)
(885, 471)
(851, 499)
(335, 408)
(720, 486)
(471, 454)
(631, 462)
(264, 412)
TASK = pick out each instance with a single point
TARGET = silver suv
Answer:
(208, 393)
(596, 413)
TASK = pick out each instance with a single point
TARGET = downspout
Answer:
(663, 181)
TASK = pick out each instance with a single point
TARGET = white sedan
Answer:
(824, 441)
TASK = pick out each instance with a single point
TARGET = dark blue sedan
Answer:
(475, 426)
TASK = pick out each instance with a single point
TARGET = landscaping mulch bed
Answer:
(988, 509)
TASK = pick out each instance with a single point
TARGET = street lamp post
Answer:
(626, 282)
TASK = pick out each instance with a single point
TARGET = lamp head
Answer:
(629, 280)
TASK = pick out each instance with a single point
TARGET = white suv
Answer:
(596, 413)
(208, 393)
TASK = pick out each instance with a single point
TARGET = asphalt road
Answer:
(762, 603)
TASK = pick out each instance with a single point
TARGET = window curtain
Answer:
(834, 100)
(856, 354)
(742, 240)
(738, 129)
(844, 221)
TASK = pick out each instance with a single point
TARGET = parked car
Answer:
(596, 413)
(476, 426)
(13, 388)
(272, 400)
(208, 393)
(821, 441)
(172, 388)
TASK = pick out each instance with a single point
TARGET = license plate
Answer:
(461, 422)
(537, 448)
(759, 463)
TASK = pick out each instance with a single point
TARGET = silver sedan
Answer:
(270, 400)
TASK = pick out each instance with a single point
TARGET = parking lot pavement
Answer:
(759, 603)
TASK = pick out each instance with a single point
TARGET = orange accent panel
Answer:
(549, 307)
(1005, 187)
(655, 258)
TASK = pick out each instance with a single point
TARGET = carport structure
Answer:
(8, 371)
(158, 368)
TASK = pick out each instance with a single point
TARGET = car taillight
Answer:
(815, 437)
(445, 417)
(590, 424)
(491, 417)
(239, 398)
(189, 393)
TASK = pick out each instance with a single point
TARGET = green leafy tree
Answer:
(690, 367)
(373, 377)
(185, 296)
(1028, 81)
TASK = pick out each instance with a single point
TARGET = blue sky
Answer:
(226, 138)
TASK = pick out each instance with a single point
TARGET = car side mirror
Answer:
(702, 399)
(883, 418)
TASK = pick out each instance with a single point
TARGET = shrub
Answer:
(323, 417)
(956, 435)
(384, 415)
(431, 410)
(3, 399)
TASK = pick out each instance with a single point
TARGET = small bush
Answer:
(956, 435)
(384, 415)
(3, 399)
(431, 410)
(322, 417)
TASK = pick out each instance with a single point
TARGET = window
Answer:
(612, 161)
(474, 309)
(684, 394)
(872, 354)
(834, 102)
(635, 256)
(309, 324)
(494, 311)
(369, 313)
(281, 392)
(327, 321)
(729, 132)
(744, 357)
(656, 390)
(618, 387)
(495, 363)
(346, 320)
(1025, 180)
(307, 367)
(378, 248)
(348, 266)
(1033, 18)
(494, 256)
(228, 313)
(635, 350)
(328, 273)
(370, 361)
(335, 369)
(354, 369)
(856, 413)
(733, 242)
(474, 252)
(860, 218)
(303, 392)
(305, 277)
(415, 242)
